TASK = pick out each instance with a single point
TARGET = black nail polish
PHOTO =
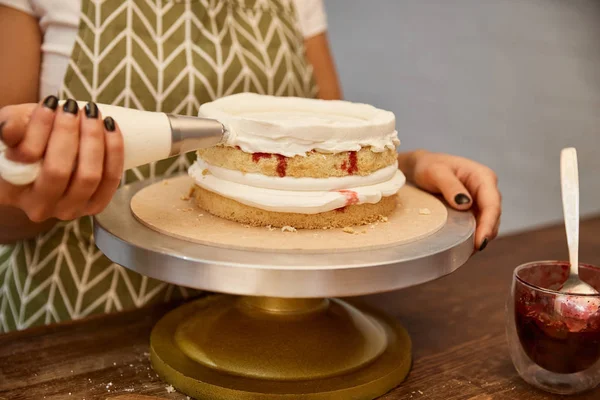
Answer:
(91, 110)
(483, 244)
(461, 199)
(109, 124)
(71, 107)
(51, 102)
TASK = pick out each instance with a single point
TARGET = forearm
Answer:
(319, 56)
(20, 47)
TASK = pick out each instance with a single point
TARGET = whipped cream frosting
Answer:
(298, 184)
(293, 126)
(266, 192)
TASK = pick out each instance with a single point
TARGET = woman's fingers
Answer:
(58, 164)
(82, 155)
(439, 178)
(90, 163)
(27, 138)
(489, 204)
(13, 122)
(465, 184)
(113, 168)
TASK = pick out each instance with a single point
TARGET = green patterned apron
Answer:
(157, 55)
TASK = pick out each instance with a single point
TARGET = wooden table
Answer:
(456, 323)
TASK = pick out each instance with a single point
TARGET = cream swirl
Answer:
(298, 184)
(297, 201)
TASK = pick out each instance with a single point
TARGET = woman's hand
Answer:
(465, 184)
(82, 158)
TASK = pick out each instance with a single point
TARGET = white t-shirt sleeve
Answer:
(312, 17)
(21, 5)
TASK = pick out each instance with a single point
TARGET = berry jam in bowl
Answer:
(554, 337)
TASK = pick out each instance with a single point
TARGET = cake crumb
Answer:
(424, 211)
(130, 390)
(269, 227)
(170, 389)
(364, 231)
(247, 226)
(349, 230)
(166, 182)
(205, 172)
(288, 229)
(383, 218)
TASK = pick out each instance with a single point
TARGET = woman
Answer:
(168, 56)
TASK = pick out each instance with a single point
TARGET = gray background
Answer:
(505, 82)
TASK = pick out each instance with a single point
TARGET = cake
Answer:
(300, 163)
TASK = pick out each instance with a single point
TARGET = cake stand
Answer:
(279, 330)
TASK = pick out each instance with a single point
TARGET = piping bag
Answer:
(148, 136)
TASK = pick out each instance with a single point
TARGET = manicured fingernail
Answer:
(461, 199)
(51, 102)
(71, 107)
(91, 110)
(109, 124)
(2, 127)
(483, 244)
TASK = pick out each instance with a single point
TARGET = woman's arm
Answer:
(20, 47)
(319, 56)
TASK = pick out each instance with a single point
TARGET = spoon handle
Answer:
(569, 179)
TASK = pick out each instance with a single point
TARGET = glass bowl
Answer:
(554, 337)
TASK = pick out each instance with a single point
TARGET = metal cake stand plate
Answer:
(280, 332)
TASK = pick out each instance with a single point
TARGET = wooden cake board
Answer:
(166, 207)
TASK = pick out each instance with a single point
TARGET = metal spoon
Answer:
(569, 180)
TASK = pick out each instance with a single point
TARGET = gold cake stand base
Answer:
(261, 348)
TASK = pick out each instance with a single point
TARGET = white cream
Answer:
(15, 172)
(298, 184)
(296, 201)
(292, 126)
